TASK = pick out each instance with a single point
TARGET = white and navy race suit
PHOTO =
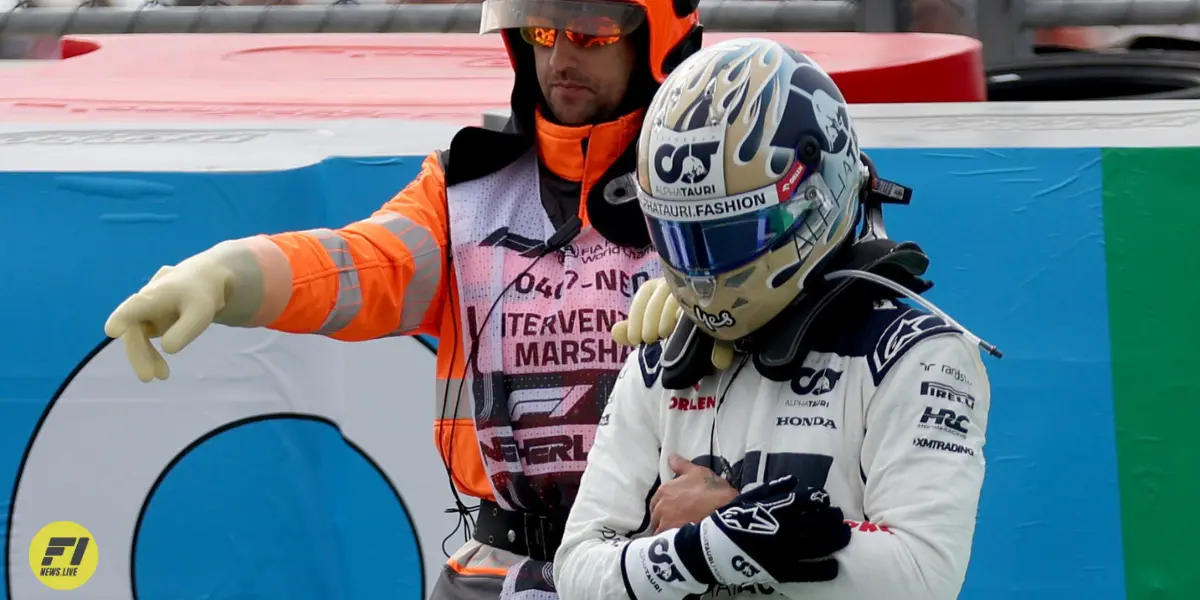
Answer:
(889, 417)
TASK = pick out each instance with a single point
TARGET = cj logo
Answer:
(689, 163)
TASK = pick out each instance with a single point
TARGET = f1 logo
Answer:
(58, 546)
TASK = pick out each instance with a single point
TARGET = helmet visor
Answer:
(709, 237)
(587, 17)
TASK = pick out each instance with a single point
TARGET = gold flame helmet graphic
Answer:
(749, 174)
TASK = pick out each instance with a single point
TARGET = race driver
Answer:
(850, 424)
(517, 249)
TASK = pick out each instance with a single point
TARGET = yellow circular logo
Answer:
(63, 555)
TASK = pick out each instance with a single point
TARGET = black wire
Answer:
(712, 432)
(466, 521)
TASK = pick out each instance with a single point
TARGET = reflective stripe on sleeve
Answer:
(427, 269)
(349, 297)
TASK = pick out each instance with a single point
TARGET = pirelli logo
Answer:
(941, 391)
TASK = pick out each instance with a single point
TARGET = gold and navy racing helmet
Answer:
(749, 175)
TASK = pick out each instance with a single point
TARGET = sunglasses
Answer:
(547, 36)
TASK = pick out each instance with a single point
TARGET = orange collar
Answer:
(561, 149)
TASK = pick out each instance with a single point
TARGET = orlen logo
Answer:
(686, 404)
(787, 186)
(867, 527)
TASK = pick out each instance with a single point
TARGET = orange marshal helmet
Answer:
(674, 25)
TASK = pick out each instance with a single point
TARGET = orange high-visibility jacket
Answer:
(392, 275)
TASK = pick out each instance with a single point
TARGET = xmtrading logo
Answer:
(63, 555)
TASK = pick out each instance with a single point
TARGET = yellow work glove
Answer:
(178, 304)
(652, 315)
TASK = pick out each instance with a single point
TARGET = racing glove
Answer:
(653, 315)
(781, 532)
(180, 302)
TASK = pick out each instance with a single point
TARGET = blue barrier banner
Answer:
(300, 468)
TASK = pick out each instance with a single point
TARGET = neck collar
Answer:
(583, 154)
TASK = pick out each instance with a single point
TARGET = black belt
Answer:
(521, 533)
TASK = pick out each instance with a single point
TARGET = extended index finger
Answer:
(130, 313)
